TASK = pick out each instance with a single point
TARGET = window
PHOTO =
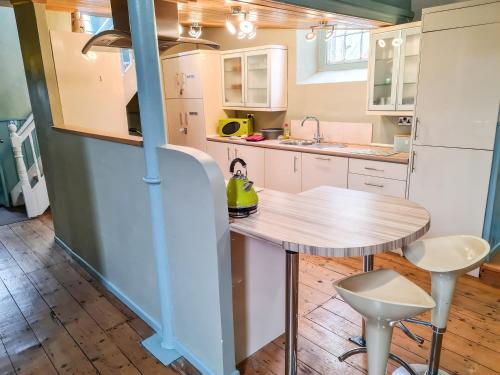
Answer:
(346, 50)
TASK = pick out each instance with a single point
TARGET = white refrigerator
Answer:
(457, 109)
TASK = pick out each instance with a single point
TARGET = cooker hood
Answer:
(167, 24)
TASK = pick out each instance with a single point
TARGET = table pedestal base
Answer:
(292, 314)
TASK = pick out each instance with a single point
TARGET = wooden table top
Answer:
(334, 222)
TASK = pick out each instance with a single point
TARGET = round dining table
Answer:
(330, 222)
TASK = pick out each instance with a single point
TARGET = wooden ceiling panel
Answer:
(212, 13)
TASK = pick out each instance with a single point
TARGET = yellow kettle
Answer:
(242, 199)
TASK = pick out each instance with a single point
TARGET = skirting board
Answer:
(111, 287)
(150, 343)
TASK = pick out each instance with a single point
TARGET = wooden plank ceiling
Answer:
(212, 13)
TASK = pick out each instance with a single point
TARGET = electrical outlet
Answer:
(405, 121)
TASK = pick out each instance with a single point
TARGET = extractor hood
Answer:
(167, 24)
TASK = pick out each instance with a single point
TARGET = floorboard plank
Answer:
(103, 353)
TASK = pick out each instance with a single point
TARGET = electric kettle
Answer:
(242, 199)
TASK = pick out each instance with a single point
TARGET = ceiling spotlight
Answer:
(241, 35)
(311, 35)
(396, 42)
(195, 30)
(381, 43)
(230, 27)
(329, 34)
(181, 29)
(246, 26)
(252, 35)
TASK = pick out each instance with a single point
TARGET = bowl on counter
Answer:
(271, 133)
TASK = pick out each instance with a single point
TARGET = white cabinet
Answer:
(192, 92)
(254, 157)
(255, 78)
(283, 171)
(185, 123)
(318, 170)
(182, 77)
(233, 80)
(224, 153)
(378, 177)
(457, 100)
(393, 68)
(452, 184)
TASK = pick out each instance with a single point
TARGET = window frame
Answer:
(323, 66)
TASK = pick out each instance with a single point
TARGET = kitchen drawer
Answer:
(378, 169)
(318, 170)
(378, 185)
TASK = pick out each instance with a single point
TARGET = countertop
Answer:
(103, 135)
(334, 222)
(401, 157)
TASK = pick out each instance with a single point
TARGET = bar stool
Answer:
(446, 258)
(383, 297)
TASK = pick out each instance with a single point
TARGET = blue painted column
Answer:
(143, 28)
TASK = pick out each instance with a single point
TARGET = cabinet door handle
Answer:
(374, 185)
(325, 159)
(228, 154)
(413, 161)
(415, 134)
(186, 118)
(374, 169)
(180, 118)
(294, 164)
(177, 79)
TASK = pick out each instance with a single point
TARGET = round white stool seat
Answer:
(451, 254)
(382, 297)
(446, 258)
(384, 294)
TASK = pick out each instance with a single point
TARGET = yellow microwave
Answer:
(235, 127)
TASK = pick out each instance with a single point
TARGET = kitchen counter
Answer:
(401, 157)
(330, 221)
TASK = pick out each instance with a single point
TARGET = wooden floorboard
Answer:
(55, 318)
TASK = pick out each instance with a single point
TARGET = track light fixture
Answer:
(246, 27)
(323, 25)
(195, 30)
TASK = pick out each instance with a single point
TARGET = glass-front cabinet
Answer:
(257, 82)
(233, 79)
(255, 78)
(393, 69)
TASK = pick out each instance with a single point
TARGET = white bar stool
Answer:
(446, 258)
(383, 297)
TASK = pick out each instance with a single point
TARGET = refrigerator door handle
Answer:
(415, 134)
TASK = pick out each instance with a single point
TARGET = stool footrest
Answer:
(393, 357)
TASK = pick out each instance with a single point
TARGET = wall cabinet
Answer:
(283, 171)
(393, 68)
(182, 77)
(255, 78)
(185, 119)
(224, 153)
(318, 170)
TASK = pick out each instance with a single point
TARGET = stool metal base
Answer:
(358, 340)
(420, 369)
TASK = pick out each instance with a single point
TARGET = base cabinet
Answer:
(283, 171)
(318, 170)
(224, 153)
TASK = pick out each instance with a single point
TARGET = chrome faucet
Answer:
(317, 138)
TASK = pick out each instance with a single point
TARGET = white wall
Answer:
(329, 101)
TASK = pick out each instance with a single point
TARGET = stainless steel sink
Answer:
(311, 144)
(296, 142)
(327, 146)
